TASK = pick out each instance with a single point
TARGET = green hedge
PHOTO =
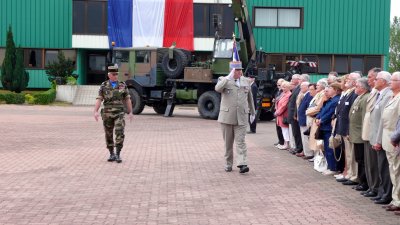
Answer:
(12, 98)
(42, 98)
(45, 98)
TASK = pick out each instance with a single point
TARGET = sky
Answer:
(394, 9)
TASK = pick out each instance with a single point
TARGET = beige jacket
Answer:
(390, 116)
(236, 102)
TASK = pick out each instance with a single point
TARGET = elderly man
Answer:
(371, 156)
(356, 116)
(390, 116)
(292, 114)
(236, 104)
(302, 118)
(342, 128)
(384, 95)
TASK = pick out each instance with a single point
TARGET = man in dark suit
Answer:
(292, 114)
(254, 90)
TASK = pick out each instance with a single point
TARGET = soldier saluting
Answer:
(113, 94)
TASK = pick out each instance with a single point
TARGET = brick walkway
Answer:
(54, 171)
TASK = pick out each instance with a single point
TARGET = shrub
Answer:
(45, 98)
(60, 69)
(13, 98)
(71, 80)
(29, 99)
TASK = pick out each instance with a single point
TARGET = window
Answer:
(143, 56)
(356, 63)
(121, 56)
(51, 56)
(306, 66)
(224, 47)
(33, 58)
(341, 64)
(90, 17)
(207, 17)
(371, 62)
(97, 62)
(278, 17)
(2, 55)
(324, 64)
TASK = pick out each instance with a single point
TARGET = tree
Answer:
(7, 68)
(394, 46)
(13, 74)
(21, 77)
(60, 70)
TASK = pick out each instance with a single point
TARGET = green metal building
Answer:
(340, 35)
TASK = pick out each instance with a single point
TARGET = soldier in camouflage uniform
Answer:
(113, 94)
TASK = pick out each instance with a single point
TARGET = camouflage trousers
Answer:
(113, 119)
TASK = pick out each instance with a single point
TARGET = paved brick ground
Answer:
(53, 171)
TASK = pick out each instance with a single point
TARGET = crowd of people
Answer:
(349, 123)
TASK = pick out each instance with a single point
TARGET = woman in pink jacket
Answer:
(281, 113)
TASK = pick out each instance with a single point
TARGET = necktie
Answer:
(377, 96)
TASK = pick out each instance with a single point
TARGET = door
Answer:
(97, 69)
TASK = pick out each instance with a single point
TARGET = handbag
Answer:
(334, 141)
(320, 163)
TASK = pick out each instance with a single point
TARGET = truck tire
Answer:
(266, 116)
(173, 68)
(209, 104)
(137, 101)
(159, 107)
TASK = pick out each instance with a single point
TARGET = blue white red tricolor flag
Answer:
(235, 54)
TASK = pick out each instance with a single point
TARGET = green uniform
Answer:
(113, 112)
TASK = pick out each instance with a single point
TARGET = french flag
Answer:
(235, 53)
(155, 23)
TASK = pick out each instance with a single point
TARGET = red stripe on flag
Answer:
(178, 24)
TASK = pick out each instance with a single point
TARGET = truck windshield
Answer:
(121, 56)
(223, 48)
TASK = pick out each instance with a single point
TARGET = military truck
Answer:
(164, 77)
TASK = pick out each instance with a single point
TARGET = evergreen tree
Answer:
(20, 76)
(394, 47)
(8, 65)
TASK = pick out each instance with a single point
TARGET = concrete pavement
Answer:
(53, 171)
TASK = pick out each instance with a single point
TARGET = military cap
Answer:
(113, 69)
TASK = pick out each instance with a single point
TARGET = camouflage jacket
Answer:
(113, 97)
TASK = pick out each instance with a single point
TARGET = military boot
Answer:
(112, 155)
(117, 157)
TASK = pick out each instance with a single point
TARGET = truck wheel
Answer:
(137, 101)
(173, 68)
(266, 116)
(208, 105)
(159, 107)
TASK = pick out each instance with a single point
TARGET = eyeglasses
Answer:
(378, 79)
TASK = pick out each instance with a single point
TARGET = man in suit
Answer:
(342, 128)
(254, 90)
(375, 138)
(356, 116)
(371, 156)
(390, 115)
(236, 104)
(292, 114)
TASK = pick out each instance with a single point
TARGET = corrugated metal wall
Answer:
(330, 27)
(37, 23)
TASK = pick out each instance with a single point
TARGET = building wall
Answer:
(37, 23)
(330, 27)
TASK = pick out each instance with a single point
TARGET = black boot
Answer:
(112, 155)
(118, 158)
